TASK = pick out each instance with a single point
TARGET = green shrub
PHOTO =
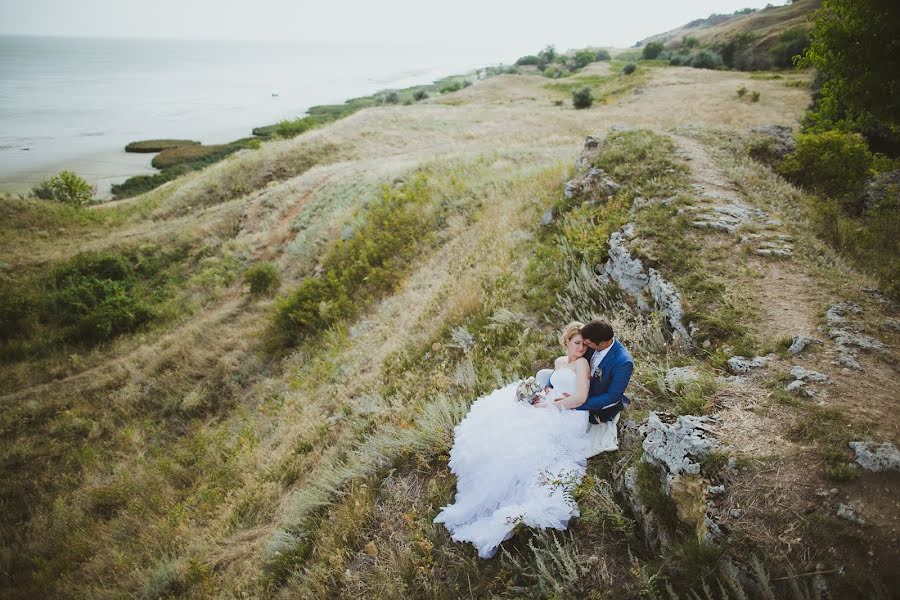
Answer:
(584, 57)
(582, 98)
(292, 128)
(453, 86)
(652, 50)
(741, 92)
(754, 97)
(66, 187)
(678, 59)
(420, 95)
(392, 98)
(629, 68)
(262, 278)
(706, 59)
(602, 55)
(832, 163)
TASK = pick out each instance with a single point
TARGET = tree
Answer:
(853, 46)
(652, 50)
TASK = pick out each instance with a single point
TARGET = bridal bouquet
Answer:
(530, 391)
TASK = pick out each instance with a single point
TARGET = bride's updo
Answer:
(570, 331)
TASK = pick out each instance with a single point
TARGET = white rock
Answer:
(847, 512)
(679, 445)
(800, 343)
(680, 376)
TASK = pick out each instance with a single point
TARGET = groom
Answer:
(611, 367)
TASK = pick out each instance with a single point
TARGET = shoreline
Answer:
(104, 165)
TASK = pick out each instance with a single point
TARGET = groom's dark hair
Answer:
(597, 331)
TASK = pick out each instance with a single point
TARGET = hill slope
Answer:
(190, 460)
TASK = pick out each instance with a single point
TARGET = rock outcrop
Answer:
(648, 288)
(845, 335)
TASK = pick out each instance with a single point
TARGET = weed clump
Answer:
(629, 68)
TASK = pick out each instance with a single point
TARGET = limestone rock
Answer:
(800, 374)
(797, 387)
(547, 218)
(594, 185)
(678, 445)
(877, 457)
(800, 343)
(593, 144)
(677, 377)
(892, 323)
(648, 288)
(846, 337)
(780, 138)
(848, 513)
(741, 364)
(881, 186)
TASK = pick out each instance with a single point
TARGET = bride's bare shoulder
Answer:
(559, 363)
(582, 364)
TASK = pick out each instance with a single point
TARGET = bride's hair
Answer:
(570, 331)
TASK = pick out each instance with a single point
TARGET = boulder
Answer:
(848, 513)
(678, 445)
(678, 377)
(846, 337)
(593, 185)
(800, 343)
(741, 364)
(779, 140)
(800, 374)
(882, 185)
(593, 144)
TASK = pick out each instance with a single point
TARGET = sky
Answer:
(519, 24)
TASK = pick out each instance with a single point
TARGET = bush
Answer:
(66, 187)
(629, 68)
(754, 97)
(689, 42)
(584, 57)
(652, 50)
(530, 59)
(392, 98)
(678, 59)
(602, 55)
(262, 278)
(420, 95)
(832, 163)
(741, 92)
(453, 86)
(706, 59)
(582, 98)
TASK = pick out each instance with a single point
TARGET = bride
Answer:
(517, 464)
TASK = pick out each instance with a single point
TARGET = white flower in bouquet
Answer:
(530, 391)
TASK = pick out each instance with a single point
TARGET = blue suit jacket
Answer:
(608, 385)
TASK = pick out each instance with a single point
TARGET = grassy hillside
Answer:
(767, 24)
(217, 449)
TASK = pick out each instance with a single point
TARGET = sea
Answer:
(74, 103)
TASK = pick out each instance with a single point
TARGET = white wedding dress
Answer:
(515, 463)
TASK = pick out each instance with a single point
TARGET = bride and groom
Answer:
(517, 464)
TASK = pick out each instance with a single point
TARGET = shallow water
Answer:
(75, 102)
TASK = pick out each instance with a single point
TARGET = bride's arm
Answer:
(582, 385)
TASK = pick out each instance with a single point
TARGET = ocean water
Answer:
(74, 103)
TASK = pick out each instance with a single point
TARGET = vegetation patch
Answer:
(151, 146)
(361, 268)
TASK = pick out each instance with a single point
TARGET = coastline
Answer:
(104, 162)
